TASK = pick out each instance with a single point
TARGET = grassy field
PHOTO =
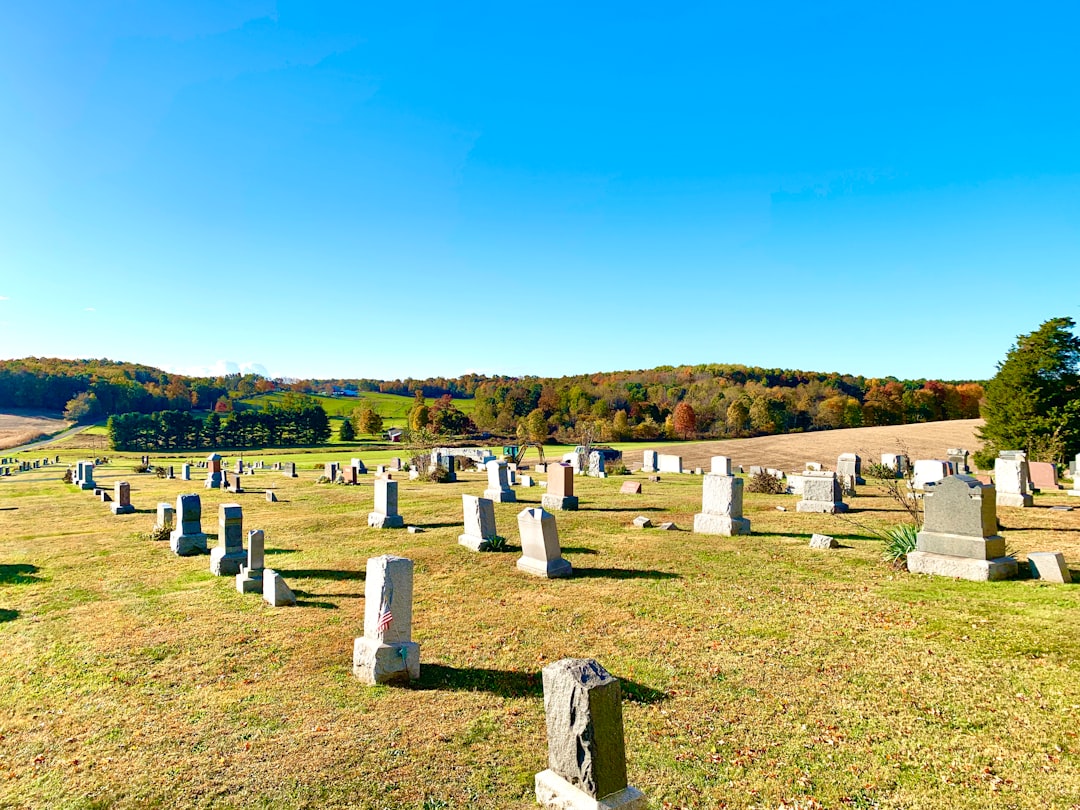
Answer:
(20, 428)
(392, 408)
(757, 673)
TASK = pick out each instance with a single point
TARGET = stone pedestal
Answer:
(498, 486)
(821, 493)
(479, 517)
(586, 750)
(721, 510)
(959, 535)
(386, 652)
(187, 539)
(385, 515)
(541, 554)
(213, 476)
(250, 578)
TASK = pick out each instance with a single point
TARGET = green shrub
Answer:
(160, 471)
(766, 484)
(438, 474)
(141, 468)
(496, 543)
(616, 468)
(158, 533)
(68, 476)
(899, 540)
(879, 471)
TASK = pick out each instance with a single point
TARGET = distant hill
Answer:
(394, 409)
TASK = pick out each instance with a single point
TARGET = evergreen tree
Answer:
(347, 433)
(1031, 403)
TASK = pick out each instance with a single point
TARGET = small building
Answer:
(394, 434)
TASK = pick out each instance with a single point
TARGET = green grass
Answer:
(757, 673)
(388, 406)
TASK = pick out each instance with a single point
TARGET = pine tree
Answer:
(347, 432)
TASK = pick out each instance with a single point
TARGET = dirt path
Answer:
(791, 451)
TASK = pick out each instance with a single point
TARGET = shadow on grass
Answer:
(578, 550)
(1003, 528)
(312, 602)
(321, 573)
(508, 683)
(8, 508)
(280, 551)
(621, 573)
(435, 525)
(18, 574)
(7, 614)
(629, 508)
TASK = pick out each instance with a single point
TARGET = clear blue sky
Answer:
(371, 189)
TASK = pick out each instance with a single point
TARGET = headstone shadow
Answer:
(280, 551)
(334, 574)
(621, 573)
(436, 525)
(510, 684)
(18, 574)
(7, 614)
(578, 550)
(315, 603)
(627, 508)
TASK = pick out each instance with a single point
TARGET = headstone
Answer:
(121, 504)
(170, 474)
(165, 513)
(527, 481)
(668, 463)
(655, 479)
(289, 468)
(795, 483)
(238, 467)
(849, 469)
(1011, 482)
(498, 487)
(813, 465)
(275, 591)
(897, 462)
(414, 530)
(721, 507)
(1049, 566)
(821, 493)
(649, 463)
(213, 477)
(596, 465)
(1073, 465)
(250, 578)
(720, 465)
(541, 554)
(1043, 476)
(479, 517)
(630, 488)
(228, 555)
(380, 469)
(959, 459)
(232, 482)
(395, 464)
(271, 496)
(959, 534)
(347, 475)
(330, 471)
(560, 489)
(103, 496)
(86, 475)
(586, 750)
(385, 515)
(541, 469)
(187, 539)
(386, 652)
(928, 471)
(185, 472)
(642, 522)
(823, 541)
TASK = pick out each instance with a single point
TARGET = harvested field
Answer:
(20, 428)
(790, 452)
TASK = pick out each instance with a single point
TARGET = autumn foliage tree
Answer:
(684, 420)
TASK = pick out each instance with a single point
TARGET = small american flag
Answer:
(385, 616)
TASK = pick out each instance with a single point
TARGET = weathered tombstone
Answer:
(185, 472)
(596, 465)
(849, 468)
(928, 471)
(959, 459)
(289, 468)
(541, 554)
(541, 468)
(1011, 482)
(238, 467)
(479, 517)
(630, 488)
(228, 555)
(385, 515)
(823, 541)
(187, 539)
(213, 477)
(527, 481)
(386, 652)
(668, 463)
(721, 507)
(395, 464)
(586, 749)
(165, 513)
(1044, 476)
(271, 496)
(121, 504)
(560, 489)
(250, 578)
(1049, 566)
(896, 462)
(275, 591)
(233, 482)
(821, 493)
(649, 463)
(795, 483)
(642, 522)
(720, 465)
(959, 534)
(446, 461)
(330, 471)
(498, 487)
(86, 479)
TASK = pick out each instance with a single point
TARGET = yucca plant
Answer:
(899, 540)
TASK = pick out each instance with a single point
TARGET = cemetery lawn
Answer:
(757, 673)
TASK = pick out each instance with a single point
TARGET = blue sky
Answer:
(352, 189)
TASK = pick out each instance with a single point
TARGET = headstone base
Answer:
(1049, 566)
(559, 503)
(501, 495)
(213, 481)
(1014, 499)
(117, 509)
(553, 569)
(90, 485)
(224, 564)
(377, 520)
(473, 543)
(958, 545)
(555, 792)
(248, 582)
(724, 525)
(925, 562)
(375, 663)
(187, 545)
(825, 507)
